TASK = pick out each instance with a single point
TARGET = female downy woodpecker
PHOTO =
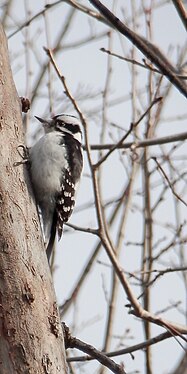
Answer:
(56, 166)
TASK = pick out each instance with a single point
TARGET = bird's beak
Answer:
(40, 119)
(47, 124)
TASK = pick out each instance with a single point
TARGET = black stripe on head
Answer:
(72, 128)
(67, 122)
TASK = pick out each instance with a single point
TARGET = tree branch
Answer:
(72, 342)
(147, 48)
(142, 143)
(140, 346)
(180, 7)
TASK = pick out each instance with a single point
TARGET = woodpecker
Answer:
(56, 166)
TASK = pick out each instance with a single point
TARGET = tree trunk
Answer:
(31, 338)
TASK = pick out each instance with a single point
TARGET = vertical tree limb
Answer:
(31, 338)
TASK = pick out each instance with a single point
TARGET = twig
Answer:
(181, 11)
(86, 229)
(168, 181)
(132, 126)
(142, 143)
(145, 64)
(73, 3)
(133, 348)
(73, 342)
(147, 48)
(27, 23)
(57, 47)
(87, 11)
(64, 307)
(67, 92)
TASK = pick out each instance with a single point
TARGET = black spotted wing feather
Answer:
(65, 201)
(66, 198)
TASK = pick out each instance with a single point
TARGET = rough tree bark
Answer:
(31, 338)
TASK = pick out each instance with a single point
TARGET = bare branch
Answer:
(142, 143)
(72, 342)
(82, 229)
(132, 126)
(133, 348)
(147, 48)
(168, 181)
(27, 23)
(181, 11)
(145, 65)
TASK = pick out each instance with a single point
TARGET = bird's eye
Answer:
(60, 123)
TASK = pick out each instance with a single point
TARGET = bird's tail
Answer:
(52, 237)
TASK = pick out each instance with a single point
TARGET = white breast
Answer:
(48, 159)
